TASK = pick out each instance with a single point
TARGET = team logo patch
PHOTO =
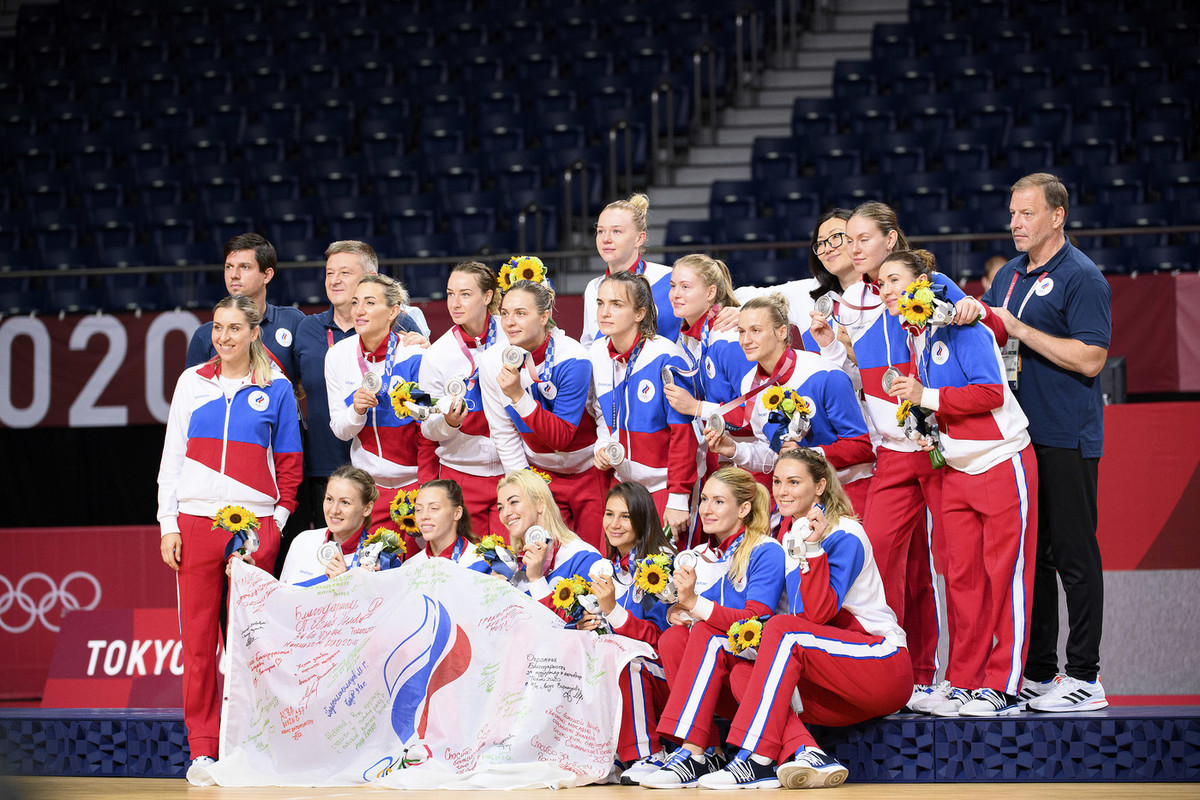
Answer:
(940, 353)
(1044, 286)
(284, 337)
(710, 369)
(548, 391)
(258, 400)
(645, 391)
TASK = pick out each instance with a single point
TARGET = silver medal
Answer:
(372, 383)
(615, 452)
(687, 559)
(824, 306)
(889, 376)
(327, 552)
(251, 541)
(513, 356)
(537, 535)
(668, 377)
(456, 387)
(602, 568)
(715, 422)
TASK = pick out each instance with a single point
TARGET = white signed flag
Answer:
(419, 677)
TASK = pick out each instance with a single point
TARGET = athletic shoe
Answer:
(990, 703)
(812, 769)
(742, 773)
(920, 692)
(643, 767)
(680, 771)
(953, 702)
(1071, 694)
(1033, 689)
(198, 774)
(932, 699)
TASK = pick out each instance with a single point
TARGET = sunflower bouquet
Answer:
(653, 576)
(498, 555)
(540, 473)
(919, 423)
(385, 547)
(789, 410)
(407, 397)
(403, 510)
(744, 637)
(924, 303)
(573, 596)
(242, 524)
(521, 268)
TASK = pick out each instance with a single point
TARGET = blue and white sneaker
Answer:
(812, 769)
(198, 773)
(1031, 690)
(681, 771)
(931, 699)
(956, 699)
(742, 773)
(920, 692)
(990, 703)
(643, 767)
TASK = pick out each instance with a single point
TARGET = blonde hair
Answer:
(260, 360)
(393, 291)
(837, 503)
(745, 489)
(714, 273)
(543, 299)
(884, 216)
(638, 205)
(537, 491)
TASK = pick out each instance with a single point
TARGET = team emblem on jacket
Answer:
(1045, 286)
(548, 390)
(646, 391)
(284, 337)
(258, 400)
(940, 353)
(710, 369)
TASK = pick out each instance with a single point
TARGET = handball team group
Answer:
(777, 518)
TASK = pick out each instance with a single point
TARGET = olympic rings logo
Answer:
(38, 608)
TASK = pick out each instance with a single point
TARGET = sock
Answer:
(759, 759)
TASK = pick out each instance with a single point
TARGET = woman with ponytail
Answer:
(735, 511)
(988, 502)
(233, 439)
(838, 647)
(350, 493)
(445, 526)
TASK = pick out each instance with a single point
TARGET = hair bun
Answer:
(640, 202)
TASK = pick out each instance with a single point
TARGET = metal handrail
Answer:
(619, 127)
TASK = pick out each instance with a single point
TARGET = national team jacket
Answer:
(758, 593)
(630, 407)
(838, 428)
(468, 448)
(980, 421)
(572, 557)
(551, 426)
(659, 276)
(842, 587)
(637, 614)
(243, 449)
(717, 360)
(382, 444)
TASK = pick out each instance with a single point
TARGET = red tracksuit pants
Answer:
(843, 677)
(580, 500)
(381, 513)
(643, 695)
(201, 579)
(697, 666)
(479, 495)
(905, 495)
(991, 522)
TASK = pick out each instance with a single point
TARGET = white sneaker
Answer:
(742, 773)
(643, 767)
(812, 769)
(990, 703)
(919, 692)
(1071, 694)
(198, 773)
(950, 706)
(933, 697)
(1034, 689)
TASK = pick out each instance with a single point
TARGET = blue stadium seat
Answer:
(162, 186)
(1126, 32)
(337, 177)
(689, 232)
(139, 255)
(773, 157)
(734, 200)
(1029, 72)
(1063, 35)
(1031, 148)
(562, 131)
(854, 78)
(380, 140)
(930, 114)
(261, 142)
(304, 285)
(301, 250)
(57, 229)
(892, 41)
(442, 135)
(969, 73)
(834, 156)
(760, 229)
(481, 64)
(943, 222)
(516, 171)
(148, 149)
(814, 117)
(410, 215)
(292, 219)
(871, 115)
(35, 153)
(795, 202)
(1168, 102)
(1162, 142)
(552, 95)
(489, 245)
(351, 217)
(1143, 215)
(115, 226)
(173, 224)
(901, 153)
(949, 39)
(200, 254)
(502, 132)
(1049, 107)
(1088, 218)
(218, 183)
(277, 180)
(1113, 260)
(970, 150)
(427, 281)
(48, 191)
(852, 190)
(1086, 69)
(70, 258)
(498, 97)
(1143, 67)
(1095, 146)
(1118, 183)
(922, 193)
(67, 294)
(397, 176)
(226, 220)
(541, 218)
(13, 226)
(1167, 259)
(472, 212)
(987, 188)
(1008, 38)
(1178, 183)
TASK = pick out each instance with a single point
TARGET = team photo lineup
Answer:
(818, 503)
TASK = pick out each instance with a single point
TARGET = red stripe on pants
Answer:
(479, 494)
(903, 487)
(985, 513)
(835, 690)
(201, 578)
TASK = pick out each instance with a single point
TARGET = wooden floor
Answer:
(154, 788)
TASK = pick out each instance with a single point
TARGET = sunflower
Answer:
(580, 585)
(401, 393)
(916, 304)
(750, 634)
(734, 636)
(392, 543)
(902, 412)
(803, 407)
(651, 577)
(235, 519)
(505, 279)
(489, 542)
(564, 594)
(772, 397)
(543, 475)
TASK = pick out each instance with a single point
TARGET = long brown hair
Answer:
(641, 296)
(837, 504)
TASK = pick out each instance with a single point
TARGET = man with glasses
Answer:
(1055, 304)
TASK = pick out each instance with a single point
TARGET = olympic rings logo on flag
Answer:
(38, 608)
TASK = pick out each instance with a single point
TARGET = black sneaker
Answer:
(812, 769)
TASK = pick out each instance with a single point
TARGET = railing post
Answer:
(655, 100)
(739, 25)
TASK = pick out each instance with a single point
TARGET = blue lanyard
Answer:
(624, 391)
(696, 363)
(547, 370)
(455, 554)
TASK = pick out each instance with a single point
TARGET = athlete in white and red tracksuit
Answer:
(839, 646)
(228, 442)
(989, 495)
(550, 427)
(381, 443)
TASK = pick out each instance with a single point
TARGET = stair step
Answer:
(718, 154)
(825, 59)
(673, 196)
(873, 6)
(836, 40)
(784, 97)
(866, 21)
(730, 134)
(797, 78)
(709, 173)
(692, 211)
(759, 116)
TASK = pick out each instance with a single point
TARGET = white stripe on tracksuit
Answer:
(687, 717)
(939, 602)
(808, 641)
(1012, 685)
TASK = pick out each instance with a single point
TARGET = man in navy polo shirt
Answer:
(346, 263)
(1056, 306)
(249, 267)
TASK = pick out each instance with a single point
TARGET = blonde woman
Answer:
(736, 512)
